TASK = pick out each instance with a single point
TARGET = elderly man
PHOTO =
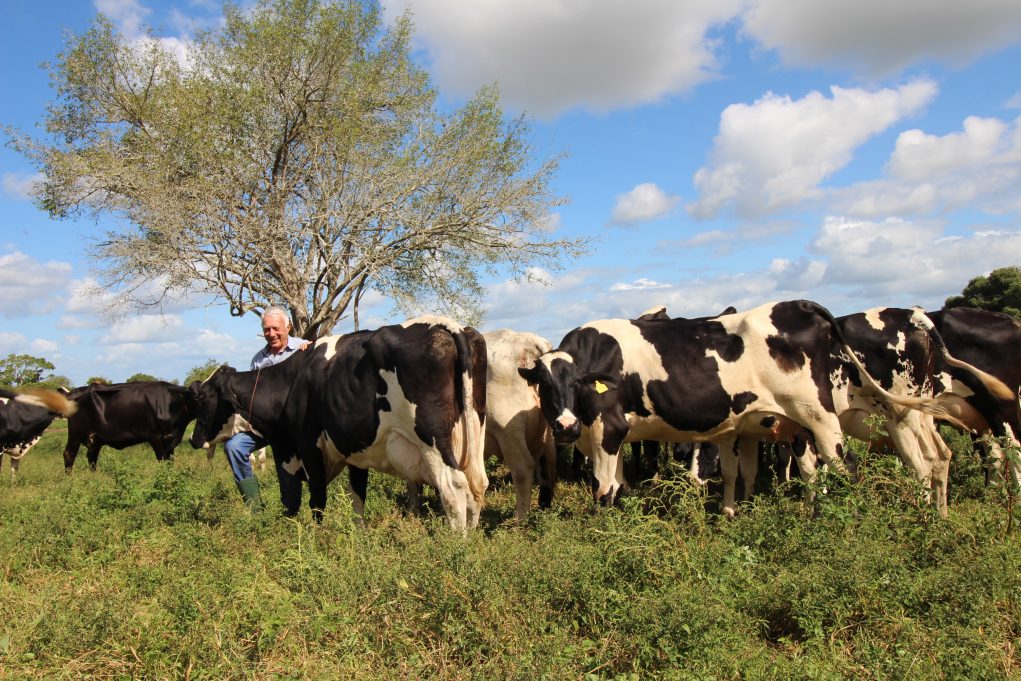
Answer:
(280, 345)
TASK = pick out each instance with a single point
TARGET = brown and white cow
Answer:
(766, 372)
(24, 416)
(516, 430)
(408, 400)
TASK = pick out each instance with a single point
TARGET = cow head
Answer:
(213, 408)
(571, 399)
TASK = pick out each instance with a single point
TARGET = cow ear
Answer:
(598, 381)
(530, 374)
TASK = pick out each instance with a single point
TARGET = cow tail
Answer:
(928, 405)
(995, 386)
(472, 459)
(53, 400)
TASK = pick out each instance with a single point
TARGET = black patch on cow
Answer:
(742, 400)
(788, 357)
(768, 422)
(806, 330)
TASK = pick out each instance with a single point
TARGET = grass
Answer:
(147, 570)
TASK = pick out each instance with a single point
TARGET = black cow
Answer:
(24, 415)
(408, 400)
(990, 341)
(767, 372)
(124, 414)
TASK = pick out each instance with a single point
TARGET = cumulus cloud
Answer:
(147, 328)
(979, 166)
(774, 153)
(549, 56)
(12, 343)
(897, 262)
(643, 203)
(29, 287)
(879, 37)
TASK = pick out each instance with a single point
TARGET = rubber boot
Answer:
(249, 488)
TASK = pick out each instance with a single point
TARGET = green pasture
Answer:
(155, 571)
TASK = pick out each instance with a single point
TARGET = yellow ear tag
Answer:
(600, 387)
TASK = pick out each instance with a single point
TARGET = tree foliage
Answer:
(201, 372)
(21, 370)
(296, 157)
(999, 292)
(140, 377)
(98, 380)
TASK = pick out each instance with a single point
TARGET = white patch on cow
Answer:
(292, 465)
(333, 460)
(435, 320)
(656, 310)
(32, 400)
(4, 400)
(872, 317)
(330, 343)
(516, 431)
(567, 419)
(236, 423)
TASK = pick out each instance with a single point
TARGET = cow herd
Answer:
(428, 400)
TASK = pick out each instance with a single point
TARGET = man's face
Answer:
(275, 329)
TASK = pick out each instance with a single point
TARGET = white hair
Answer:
(276, 311)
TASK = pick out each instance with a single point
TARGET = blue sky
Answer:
(720, 153)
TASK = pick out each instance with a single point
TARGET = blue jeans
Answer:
(238, 449)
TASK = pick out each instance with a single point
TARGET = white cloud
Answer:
(640, 284)
(774, 153)
(901, 263)
(12, 343)
(979, 167)
(147, 328)
(20, 185)
(549, 56)
(881, 37)
(29, 287)
(920, 156)
(643, 203)
(129, 15)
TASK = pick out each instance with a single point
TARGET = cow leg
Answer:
(940, 470)
(783, 461)
(315, 469)
(729, 467)
(358, 487)
(547, 466)
(71, 452)
(519, 460)
(92, 452)
(289, 471)
(748, 451)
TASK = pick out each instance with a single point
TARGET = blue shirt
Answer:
(264, 358)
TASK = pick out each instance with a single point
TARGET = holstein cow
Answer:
(990, 341)
(24, 415)
(124, 414)
(407, 399)
(516, 430)
(766, 372)
(901, 349)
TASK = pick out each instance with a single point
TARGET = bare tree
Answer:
(296, 156)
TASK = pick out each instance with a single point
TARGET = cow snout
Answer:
(565, 435)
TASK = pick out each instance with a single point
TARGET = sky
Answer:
(717, 153)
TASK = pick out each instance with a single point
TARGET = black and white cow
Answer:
(990, 341)
(407, 399)
(904, 353)
(24, 415)
(125, 414)
(766, 372)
